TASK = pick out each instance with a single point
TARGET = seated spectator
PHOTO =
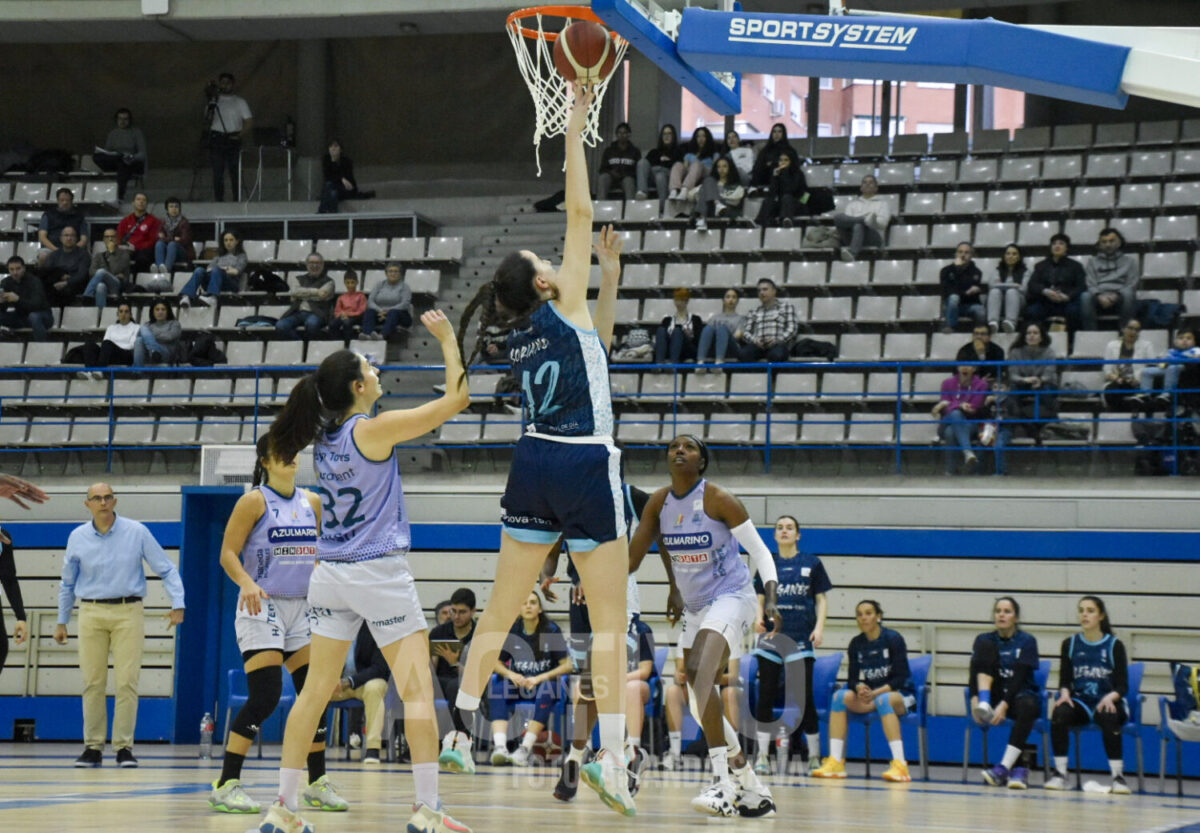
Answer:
(962, 288)
(349, 309)
(697, 161)
(110, 271)
(174, 245)
(312, 301)
(675, 339)
(981, 348)
(1056, 286)
(441, 612)
(124, 151)
(25, 302)
(1003, 687)
(1121, 380)
(865, 220)
(963, 403)
(447, 642)
(391, 301)
(771, 328)
(878, 681)
(786, 187)
(618, 164)
(368, 681)
(160, 340)
(1093, 681)
(1169, 371)
(658, 162)
(534, 655)
(340, 184)
(64, 213)
(1006, 290)
(639, 668)
(741, 155)
(117, 346)
(1112, 281)
(65, 272)
(722, 330)
(224, 273)
(722, 194)
(1028, 407)
(768, 157)
(138, 232)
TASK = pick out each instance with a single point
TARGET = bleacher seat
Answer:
(949, 144)
(852, 173)
(660, 241)
(449, 249)
(129, 392)
(986, 142)
(1012, 201)
(882, 386)
(1133, 229)
(779, 428)
(1181, 193)
(259, 251)
(318, 351)
(49, 432)
(90, 431)
(639, 428)
(1156, 163)
(819, 176)
(656, 309)
(830, 147)
(731, 428)
(1034, 233)
(1187, 162)
(870, 147)
(854, 273)
(423, 281)
(30, 193)
(724, 274)
(607, 211)
(701, 242)
(501, 428)
(831, 309)
(1089, 344)
(923, 204)
(209, 390)
(823, 428)
(897, 173)
(1030, 140)
(782, 239)
(977, 171)
(1020, 169)
(1062, 167)
(100, 193)
(1072, 136)
(841, 387)
(407, 248)
(871, 429)
(43, 354)
(220, 430)
(920, 308)
(903, 346)
(1119, 135)
(805, 272)
(858, 347)
(938, 172)
(705, 386)
(875, 308)
(462, 429)
(1094, 198)
(1165, 265)
(908, 237)
(334, 250)
(244, 353)
(27, 250)
(1140, 195)
(949, 235)
(373, 249)
(892, 273)
(1175, 228)
(1106, 166)
(742, 240)
(964, 202)
(640, 275)
(79, 318)
(994, 234)
(1158, 132)
(293, 251)
(13, 430)
(910, 144)
(1084, 233)
(631, 240)
(929, 270)
(44, 390)
(681, 274)
(165, 391)
(796, 387)
(641, 211)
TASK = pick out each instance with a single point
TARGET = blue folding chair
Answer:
(1132, 727)
(655, 705)
(1166, 712)
(333, 721)
(825, 671)
(1042, 725)
(919, 668)
(239, 694)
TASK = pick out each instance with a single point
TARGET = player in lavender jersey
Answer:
(362, 572)
(269, 550)
(700, 526)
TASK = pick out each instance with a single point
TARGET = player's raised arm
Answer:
(577, 246)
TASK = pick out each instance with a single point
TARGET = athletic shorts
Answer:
(731, 615)
(564, 489)
(282, 624)
(380, 591)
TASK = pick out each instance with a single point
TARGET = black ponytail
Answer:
(1105, 625)
(262, 450)
(315, 404)
(513, 287)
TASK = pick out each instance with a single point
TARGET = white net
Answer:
(550, 91)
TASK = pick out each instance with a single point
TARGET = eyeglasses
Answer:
(102, 498)
(1133, 328)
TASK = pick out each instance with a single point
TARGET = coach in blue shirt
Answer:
(103, 570)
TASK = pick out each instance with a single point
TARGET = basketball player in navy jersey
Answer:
(1092, 683)
(565, 479)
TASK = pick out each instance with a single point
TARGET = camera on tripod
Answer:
(211, 91)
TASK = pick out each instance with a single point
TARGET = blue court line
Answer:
(1191, 828)
(83, 798)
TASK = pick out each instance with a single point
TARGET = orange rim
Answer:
(573, 12)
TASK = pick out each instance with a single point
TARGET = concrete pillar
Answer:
(654, 99)
(885, 110)
(312, 83)
(814, 110)
(977, 108)
(960, 107)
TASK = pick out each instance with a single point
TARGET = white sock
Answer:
(633, 743)
(720, 763)
(466, 702)
(500, 741)
(746, 777)
(1011, 753)
(289, 787)
(733, 746)
(528, 740)
(764, 743)
(425, 779)
(1060, 764)
(612, 734)
(675, 740)
(1117, 767)
(897, 747)
(814, 746)
(576, 754)
(837, 749)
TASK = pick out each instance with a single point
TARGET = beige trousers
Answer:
(118, 629)
(372, 693)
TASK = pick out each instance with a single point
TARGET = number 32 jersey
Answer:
(563, 373)
(363, 515)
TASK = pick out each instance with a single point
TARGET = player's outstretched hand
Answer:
(19, 491)
(438, 325)
(582, 97)
(608, 248)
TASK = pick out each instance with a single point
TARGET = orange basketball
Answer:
(584, 52)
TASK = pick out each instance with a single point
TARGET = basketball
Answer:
(584, 52)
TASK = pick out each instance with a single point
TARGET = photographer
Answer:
(227, 117)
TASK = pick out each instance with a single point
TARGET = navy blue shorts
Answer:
(564, 489)
(579, 643)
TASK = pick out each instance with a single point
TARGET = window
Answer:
(934, 127)
(768, 87)
(825, 130)
(796, 110)
(866, 126)
(826, 83)
(934, 85)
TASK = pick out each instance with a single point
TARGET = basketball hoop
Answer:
(551, 92)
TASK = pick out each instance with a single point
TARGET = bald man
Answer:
(103, 571)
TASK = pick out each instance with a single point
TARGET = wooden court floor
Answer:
(40, 790)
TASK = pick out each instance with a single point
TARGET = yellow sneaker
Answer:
(830, 768)
(897, 771)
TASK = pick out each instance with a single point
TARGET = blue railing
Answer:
(766, 408)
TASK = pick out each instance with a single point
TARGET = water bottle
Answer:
(206, 736)
(782, 741)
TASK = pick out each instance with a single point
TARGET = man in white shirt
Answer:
(864, 221)
(231, 117)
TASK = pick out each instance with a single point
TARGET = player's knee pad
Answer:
(883, 703)
(839, 702)
(264, 686)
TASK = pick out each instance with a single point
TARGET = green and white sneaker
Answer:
(322, 795)
(611, 780)
(762, 764)
(501, 757)
(457, 759)
(231, 798)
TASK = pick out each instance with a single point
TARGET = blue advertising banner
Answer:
(906, 49)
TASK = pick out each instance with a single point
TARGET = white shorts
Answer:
(282, 624)
(381, 591)
(732, 616)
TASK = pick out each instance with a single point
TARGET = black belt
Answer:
(233, 137)
(123, 600)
